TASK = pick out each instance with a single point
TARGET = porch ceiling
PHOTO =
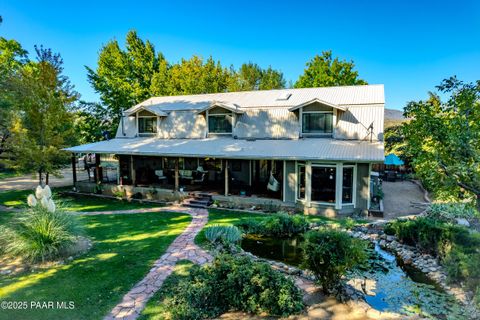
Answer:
(222, 147)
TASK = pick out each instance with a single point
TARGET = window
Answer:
(301, 182)
(347, 188)
(323, 184)
(317, 122)
(147, 124)
(220, 123)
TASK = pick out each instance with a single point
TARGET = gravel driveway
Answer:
(399, 197)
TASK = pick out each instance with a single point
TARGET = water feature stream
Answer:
(387, 283)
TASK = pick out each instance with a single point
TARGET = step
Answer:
(192, 205)
(199, 201)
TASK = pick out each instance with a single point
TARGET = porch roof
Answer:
(222, 147)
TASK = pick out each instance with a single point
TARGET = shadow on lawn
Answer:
(125, 247)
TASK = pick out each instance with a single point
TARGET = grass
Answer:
(125, 247)
(155, 309)
(79, 203)
(8, 173)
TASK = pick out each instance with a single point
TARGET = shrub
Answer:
(41, 232)
(227, 234)
(277, 225)
(234, 283)
(451, 211)
(329, 254)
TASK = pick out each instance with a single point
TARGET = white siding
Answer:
(354, 123)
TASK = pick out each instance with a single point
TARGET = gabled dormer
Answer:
(146, 120)
(220, 117)
(317, 118)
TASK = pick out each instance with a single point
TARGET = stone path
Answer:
(182, 248)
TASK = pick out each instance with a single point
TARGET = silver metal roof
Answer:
(216, 147)
(339, 96)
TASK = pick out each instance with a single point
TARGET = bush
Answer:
(234, 283)
(329, 254)
(451, 211)
(39, 234)
(225, 234)
(277, 225)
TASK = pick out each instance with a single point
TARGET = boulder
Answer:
(462, 222)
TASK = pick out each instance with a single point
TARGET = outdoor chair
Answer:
(160, 176)
(200, 178)
(391, 176)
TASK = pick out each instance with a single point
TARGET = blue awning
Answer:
(393, 160)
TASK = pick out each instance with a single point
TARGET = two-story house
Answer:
(312, 148)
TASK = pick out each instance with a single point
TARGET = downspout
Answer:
(123, 126)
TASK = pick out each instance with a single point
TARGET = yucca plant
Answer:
(217, 233)
(41, 232)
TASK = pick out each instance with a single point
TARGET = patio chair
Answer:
(391, 176)
(200, 179)
(160, 176)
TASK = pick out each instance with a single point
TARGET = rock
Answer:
(462, 222)
(390, 238)
(4, 272)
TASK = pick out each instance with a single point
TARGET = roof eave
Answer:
(316, 100)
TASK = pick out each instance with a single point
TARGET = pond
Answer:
(388, 284)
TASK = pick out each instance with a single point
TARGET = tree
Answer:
(250, 76)
(43, 125)
(12, 59)
(92, 122)
(324, 71)
(444, 140)
(124, 77)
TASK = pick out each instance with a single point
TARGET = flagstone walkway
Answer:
(182, 248)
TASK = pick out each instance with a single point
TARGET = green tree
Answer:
(250, 76)
(12, 59)
(43, 125)
(443, 140)
(124, 78)
(91, 121)
(325, 71)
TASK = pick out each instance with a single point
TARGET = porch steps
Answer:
(198, 200)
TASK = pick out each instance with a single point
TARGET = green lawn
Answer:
(7, 173)
(79, 203)
(125, 247)
(155, 309)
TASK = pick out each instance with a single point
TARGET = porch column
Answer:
(339, 186)
(177, 176)
(74, 170)
(132, 171)
(98, 178)
(308, 183)
(226, 177)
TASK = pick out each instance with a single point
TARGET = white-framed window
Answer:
(147, 124)
(317, 122)
(349, 184)
(220, 123)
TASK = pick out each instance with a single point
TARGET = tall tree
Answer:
(12, 59)
(326, 71)
(123, 78)
(250, 76)
(443, 139)
(43, 125)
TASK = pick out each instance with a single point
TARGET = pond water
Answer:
(389, 285)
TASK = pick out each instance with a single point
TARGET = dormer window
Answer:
(147, 125)
(320, 122)
(220, 123)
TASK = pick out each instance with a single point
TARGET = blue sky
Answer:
(409, 46)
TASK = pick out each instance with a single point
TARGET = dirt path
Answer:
(30, 182)
(399, 197)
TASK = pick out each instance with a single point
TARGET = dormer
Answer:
(221, 117)
(147, 120)
(317, 118)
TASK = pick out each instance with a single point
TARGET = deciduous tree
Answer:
(326, 71)
(444, 140)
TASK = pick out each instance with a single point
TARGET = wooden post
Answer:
(74, 170)
(226, 177)
(98, 177)
(177, 176)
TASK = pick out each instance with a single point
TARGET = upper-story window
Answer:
(320, 122)
(147, 125)
(220, 123)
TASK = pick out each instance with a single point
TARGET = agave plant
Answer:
(228, 234)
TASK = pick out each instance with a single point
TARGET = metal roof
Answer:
(339, 96)
(221, 147)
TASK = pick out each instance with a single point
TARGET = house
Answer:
(311, 148)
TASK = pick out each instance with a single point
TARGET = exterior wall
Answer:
(353, 124)
(290, 181)
(363, 192)
(266, 123)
